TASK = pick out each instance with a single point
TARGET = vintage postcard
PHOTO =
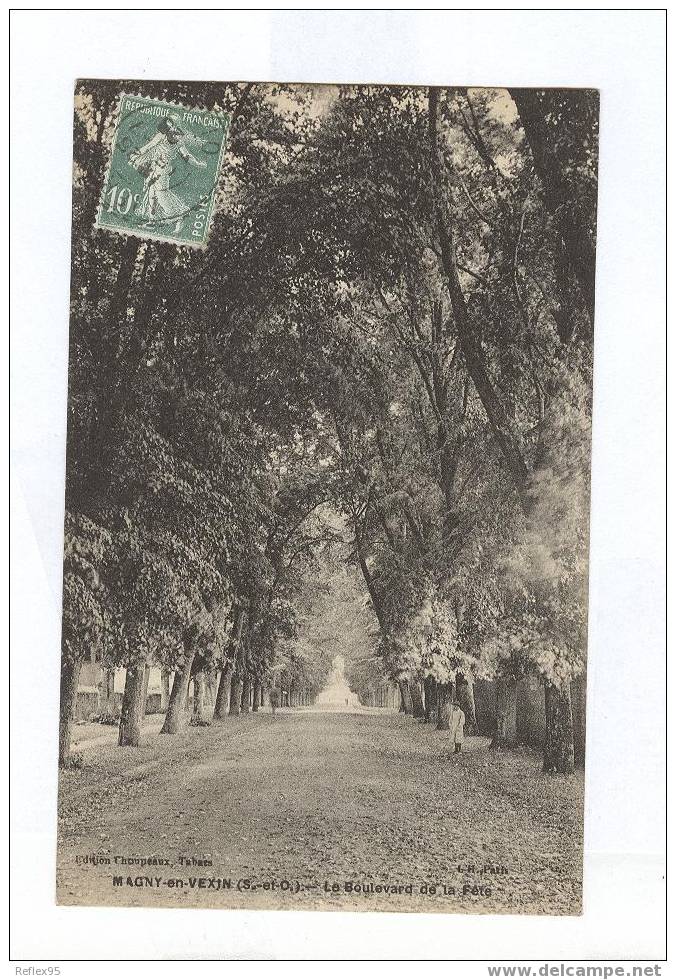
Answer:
(327, 501)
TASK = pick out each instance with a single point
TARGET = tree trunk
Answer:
(226, 702)
(209, 688)
(144, 696)
(368, 578)
(505, 736)
(256, 695)
(235, 695)
(246, 694)
(131, 715)
(173, 722)
(475, 360)
(559, 753)
(199, 718)
(465, 690)
(108, 707)
(70, 673)
(577, 231)
(430, 697)
(166, 690)
(444, 703)
(417, 700)
(406, 701)
(223, 694)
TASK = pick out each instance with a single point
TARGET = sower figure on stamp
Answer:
(157, 162)
(457, 726)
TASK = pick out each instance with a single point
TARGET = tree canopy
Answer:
(386, 343)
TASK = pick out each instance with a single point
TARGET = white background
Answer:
(622, 54)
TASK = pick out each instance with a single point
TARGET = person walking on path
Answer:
(274, 699)
(457, 726)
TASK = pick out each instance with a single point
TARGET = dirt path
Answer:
(295, 810)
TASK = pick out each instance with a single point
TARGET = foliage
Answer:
(332, 373)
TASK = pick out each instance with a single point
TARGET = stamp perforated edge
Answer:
(145, 236)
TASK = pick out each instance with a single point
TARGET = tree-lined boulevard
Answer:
(380, 362)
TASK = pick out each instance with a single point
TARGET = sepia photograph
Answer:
(325, 575)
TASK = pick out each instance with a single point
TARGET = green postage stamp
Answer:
(163, 172)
